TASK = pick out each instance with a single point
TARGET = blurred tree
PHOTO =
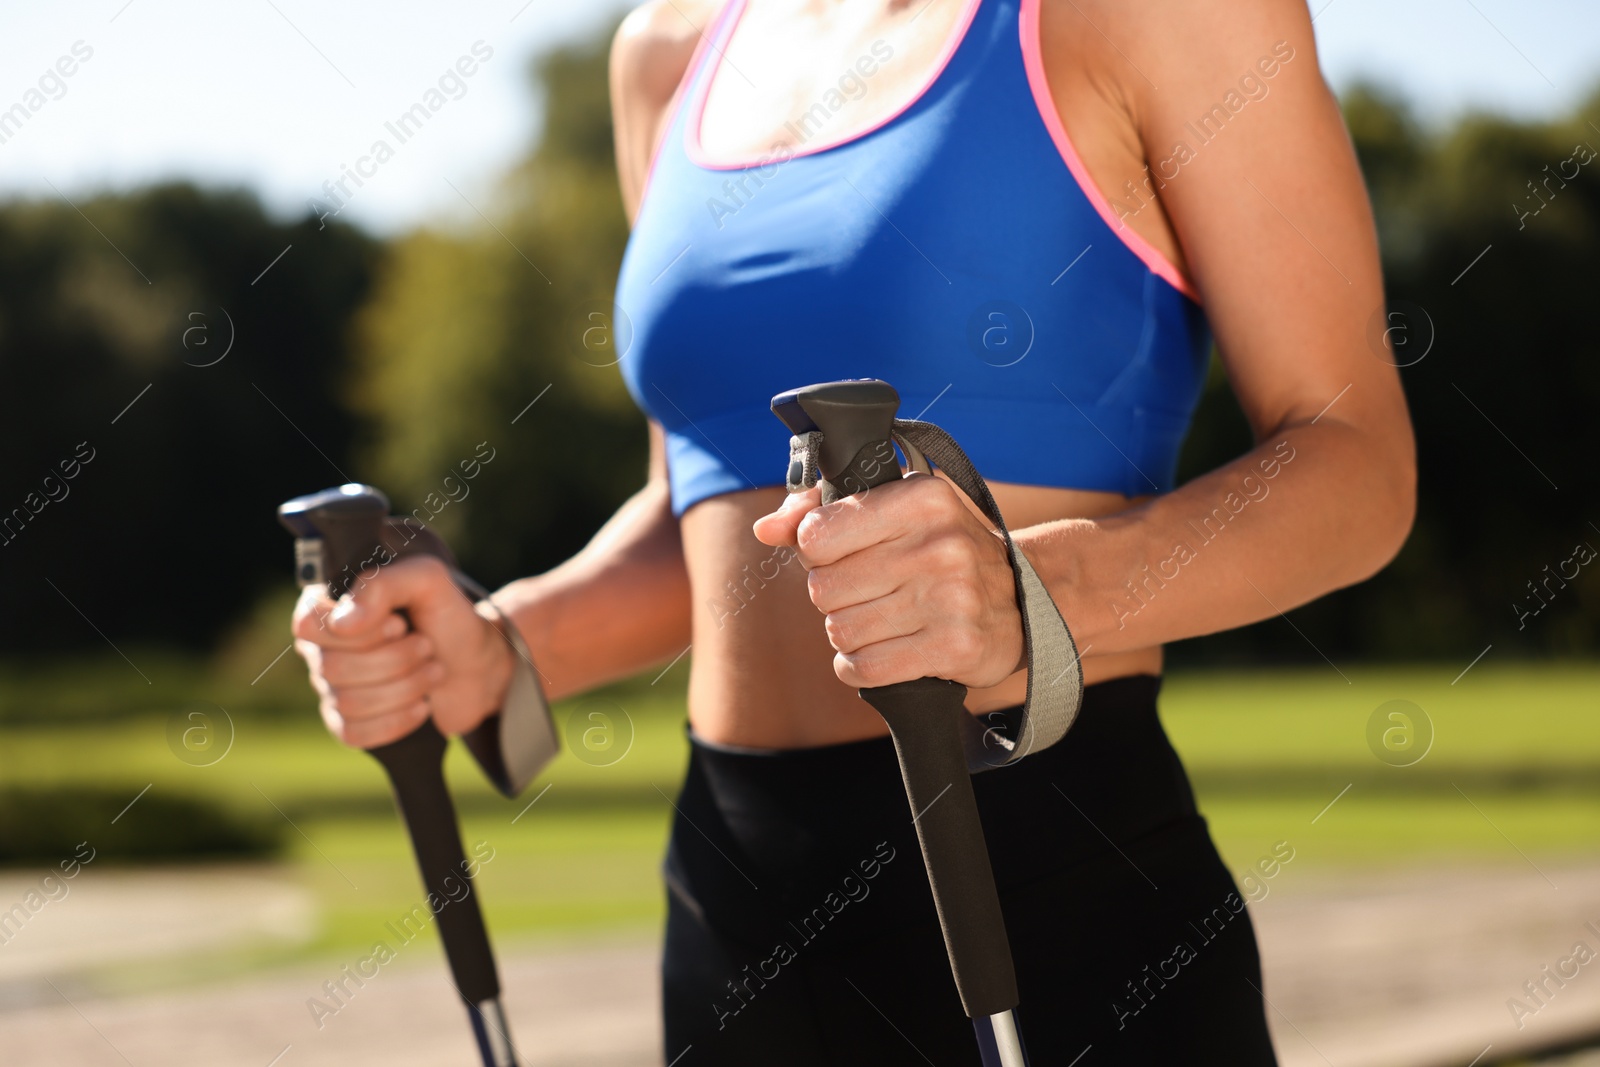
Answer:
(466, 331)
(1503, 382)
(397, 365)
(114, 321)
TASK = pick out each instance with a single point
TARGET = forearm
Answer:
(1315, 507)
(617, 607)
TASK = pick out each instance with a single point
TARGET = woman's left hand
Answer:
(912, 583)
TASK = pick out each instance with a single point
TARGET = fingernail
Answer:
(395, 626)
(342, 613)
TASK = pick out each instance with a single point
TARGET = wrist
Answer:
(1080, 562)
(501, 654)
(1018, 638)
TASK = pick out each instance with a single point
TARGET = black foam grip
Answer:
(924, 718)
(415, 765)
(856, 419)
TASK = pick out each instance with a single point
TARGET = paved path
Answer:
(1406, 970)
(593, 1007)
(1414, 970)
(114, 916)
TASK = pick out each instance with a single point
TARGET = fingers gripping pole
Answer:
(925, 717)
(341, 537)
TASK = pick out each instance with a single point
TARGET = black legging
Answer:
(801, 930)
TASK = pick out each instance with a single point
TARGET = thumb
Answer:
(779, 528)
(416, 584)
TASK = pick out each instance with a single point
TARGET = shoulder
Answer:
(1246, 151)
(1159, 51)
(653, 45)
(649, 56)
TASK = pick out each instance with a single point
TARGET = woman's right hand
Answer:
(378, 679)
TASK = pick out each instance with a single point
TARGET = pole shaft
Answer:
(1007, 1040)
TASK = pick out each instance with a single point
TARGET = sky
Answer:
(281, 95)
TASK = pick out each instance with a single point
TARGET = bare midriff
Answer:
(762, 673)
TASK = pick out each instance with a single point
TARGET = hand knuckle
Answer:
(841, 634)
(820, 585)
(432, 570)
(416, 648)
(811, 534)
(363, 704)
(963, 644)
(360, 702)
(934, 496)
(948, 553)
(962, 600)
(364, 585)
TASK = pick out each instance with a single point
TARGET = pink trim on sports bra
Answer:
(691, 134)
(1033, 60)
(676, 102)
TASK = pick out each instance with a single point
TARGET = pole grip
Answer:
(344, 535)
(415, 766)
(856, 420)
(924, 720)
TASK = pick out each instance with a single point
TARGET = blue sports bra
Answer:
(958, 250)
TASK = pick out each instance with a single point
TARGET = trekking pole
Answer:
(339, 533)
(855, 419)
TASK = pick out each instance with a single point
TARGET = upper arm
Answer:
(1271, 209)
(658, 453)
(649, 56)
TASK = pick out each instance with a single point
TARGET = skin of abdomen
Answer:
(762, 673)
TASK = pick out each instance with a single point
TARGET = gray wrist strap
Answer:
(515, 743)
(1055, 674)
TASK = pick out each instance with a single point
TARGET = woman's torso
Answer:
(762, 674)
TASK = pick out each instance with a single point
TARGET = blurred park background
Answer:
(198, 350)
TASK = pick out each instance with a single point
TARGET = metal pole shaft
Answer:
(489, 1027)
(1007, 1040)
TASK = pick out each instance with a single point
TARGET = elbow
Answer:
(1391, 514)
(1402, 516)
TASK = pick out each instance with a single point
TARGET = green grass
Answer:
(583, 858)
(556, 872)
(1537, 716)
(1511, 765)
(1509, 769)
(293, 763)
